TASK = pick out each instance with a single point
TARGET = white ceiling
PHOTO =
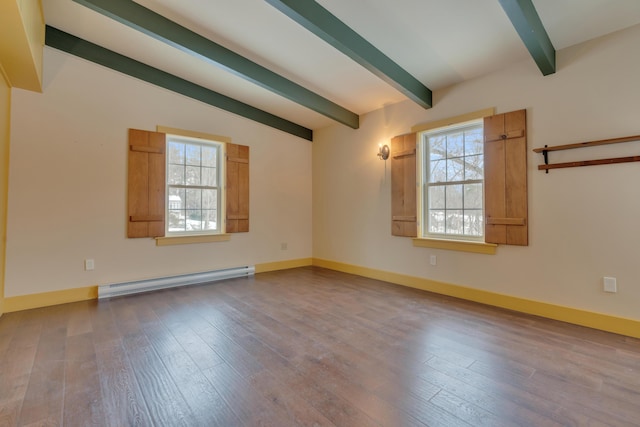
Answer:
(440, 42)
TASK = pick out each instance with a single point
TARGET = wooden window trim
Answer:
(185, 240)
(456, 245)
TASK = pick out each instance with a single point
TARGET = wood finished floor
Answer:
(309, 347)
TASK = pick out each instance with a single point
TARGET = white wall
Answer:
(584, 222)
(67, 194)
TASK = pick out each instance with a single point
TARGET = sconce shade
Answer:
(383, 152)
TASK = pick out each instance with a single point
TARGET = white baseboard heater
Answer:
(127, 288)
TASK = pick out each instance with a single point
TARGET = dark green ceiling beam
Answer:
(323, 24)
(525, 19)
(94, 53)
(154, 25)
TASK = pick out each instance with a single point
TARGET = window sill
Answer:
(185, 240)
(457, 245)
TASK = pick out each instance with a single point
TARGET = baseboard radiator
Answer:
(127, 288)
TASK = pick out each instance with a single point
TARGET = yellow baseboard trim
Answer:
(603, 322)
(45, 299)
(283, 265)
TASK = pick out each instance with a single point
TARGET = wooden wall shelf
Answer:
(545, 152)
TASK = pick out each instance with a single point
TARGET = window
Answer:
(186, 186)
(193, 186)
(452, 181)
(471, 173)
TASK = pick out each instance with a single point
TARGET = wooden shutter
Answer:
(505, 178)
(403, 186)
(146, 184)
(237, 192)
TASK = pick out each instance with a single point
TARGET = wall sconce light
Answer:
(383, 152)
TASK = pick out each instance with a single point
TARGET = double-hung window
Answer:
(187, 186)
(193, 186)
(452, 181)
(471, 174)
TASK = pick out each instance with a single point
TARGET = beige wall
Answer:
(584, 222)
(5, 118)
(67, 197)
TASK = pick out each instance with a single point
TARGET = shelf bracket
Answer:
(545, 154)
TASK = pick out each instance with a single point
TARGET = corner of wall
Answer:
(5, 116)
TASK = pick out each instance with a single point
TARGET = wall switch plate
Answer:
(433, 260)
(610, 284)
(89, 265)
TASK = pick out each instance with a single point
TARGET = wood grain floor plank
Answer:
(232, 353)
(207, 405)
(286, 402)
(334, 380)
(82, 396)
(161, 394)
(43, 399)
(525, 394)
(121, 395)
(251, 408)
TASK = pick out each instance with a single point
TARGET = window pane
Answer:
(176, 198)
(194, 219)
(437, 147)
(176, 216)
(193, 155)
(209, 218)
(209, 156)
(176, 174)
(474, 167)
(473, 196)
(455, 145)
(209, 199)
(194, 198)
(177, 220)
(176, 152)
(436, 221)
(438, 171)
(436, 197)
(473, 224)
(209, 177)
(455, 169)
(454, 197)
(473, 142)
(193, 175)
(455, 222)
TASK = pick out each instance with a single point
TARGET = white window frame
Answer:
(424, 162)
(219, 188)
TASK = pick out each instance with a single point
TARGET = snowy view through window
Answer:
(192, 186)
(454, 169)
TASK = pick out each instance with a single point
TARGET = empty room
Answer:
(319, 213)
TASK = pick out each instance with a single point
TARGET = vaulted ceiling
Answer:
(300, 65)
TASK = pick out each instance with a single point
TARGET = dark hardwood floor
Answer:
(309, 347)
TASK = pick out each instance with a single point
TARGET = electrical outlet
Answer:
(610, 284)
(89, 265)
(433, 260)
(283, 246)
